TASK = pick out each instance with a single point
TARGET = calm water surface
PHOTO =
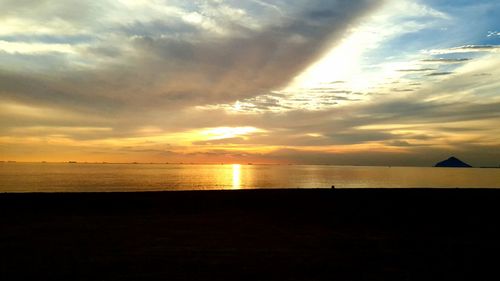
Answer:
(50, 177)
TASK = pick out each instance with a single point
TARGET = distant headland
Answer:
(452, 162)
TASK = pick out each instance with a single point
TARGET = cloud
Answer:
(399, 143)
(446, 60)
(402, 90)
(464, 49)
(141, 71)
(493, 34)
(172, 62)
(225, 141)
(140, 79)
(439, 73)
(417, 70)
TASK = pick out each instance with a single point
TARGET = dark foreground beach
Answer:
(352, 234)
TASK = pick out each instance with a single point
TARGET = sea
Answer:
(86, 177)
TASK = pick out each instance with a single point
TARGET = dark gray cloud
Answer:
(417, 70)
(406, 111)
(476, 47)
(439, 73)
(446, 60)
(170, 63)
(402, 90)
(48, 38)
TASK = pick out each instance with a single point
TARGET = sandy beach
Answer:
(364, 234)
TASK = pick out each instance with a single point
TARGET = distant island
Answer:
(452, 162)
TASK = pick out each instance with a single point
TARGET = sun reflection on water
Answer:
(236, 176)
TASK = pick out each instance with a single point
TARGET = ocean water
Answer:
(80, 177)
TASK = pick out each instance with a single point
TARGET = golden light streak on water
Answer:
(236, 176)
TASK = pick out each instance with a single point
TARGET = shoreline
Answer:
(276, 234)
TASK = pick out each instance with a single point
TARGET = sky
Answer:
(368, 82)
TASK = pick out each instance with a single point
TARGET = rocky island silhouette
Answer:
(453, 162)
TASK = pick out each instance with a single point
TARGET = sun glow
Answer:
(228, 132)
(339, 64)
(347, 61)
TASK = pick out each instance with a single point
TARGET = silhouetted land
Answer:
(453, 162)
(337, 234)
